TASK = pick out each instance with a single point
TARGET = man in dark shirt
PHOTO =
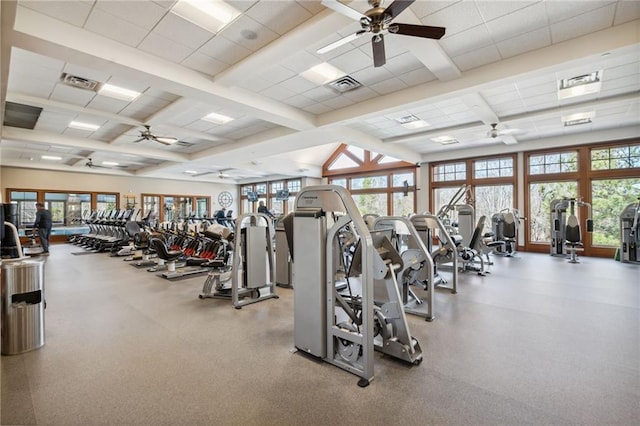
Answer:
(43, 223)
(264, 210)
(221, 216)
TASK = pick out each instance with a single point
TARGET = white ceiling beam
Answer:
(618, 133)
(429, 52)
(48, 138)
(622, 38)
(545, 113)
(70, 43)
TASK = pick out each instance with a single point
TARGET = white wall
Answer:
(18, 178)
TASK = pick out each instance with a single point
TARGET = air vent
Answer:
(20, 115)
(79, 82)
(344, 84)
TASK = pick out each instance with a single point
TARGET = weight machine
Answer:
(566, 237)
(630, 233)
(252, 268)
(504, 226)
(344, 327)
(418, 268)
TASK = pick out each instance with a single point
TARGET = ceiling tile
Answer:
(164, 48)
(317, 109)
(583, 24)
(424, 8)
(85, 72)
(524, 43)
(237, 32)
(494, 9)
(477, 58)
(351, 61)
(297, 84)
(338, 102)
(388, 86)
(21, 83)
(300, 62)
(543, 88)
(144, 14)
(360, 94)
(467, 40)
(371, 75)
(224, 50)
(105, 24)
(320, 94)
(203, 63)
(519, 22)
(630, 81)
(299, 101)
(418, 76)
(458, 17)
(256, 84)
(403, 63)
(559, 10)
(74, 13)
(72, 95)
(181, 31)
(106, 104)
(622, 71)
(277, 74)
(278, 93)
(279, 17)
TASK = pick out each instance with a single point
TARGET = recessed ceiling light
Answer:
(580, 85)
(50, 157)
(212, 15)
(411, 122)
(445, 140)
(578, 118)
(118, 92)
(322, 73)
(190, 172)
(83, 126)
(217, 118)
(110, 163)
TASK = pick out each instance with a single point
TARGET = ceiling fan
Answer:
(506, 135)
(377, 21)
(146, 135)
(90, 164)
(221, 174)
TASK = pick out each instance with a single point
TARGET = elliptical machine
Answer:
(630, 233)
(566, 238)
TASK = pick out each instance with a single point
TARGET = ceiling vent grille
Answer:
(79, 82)
(344, 84)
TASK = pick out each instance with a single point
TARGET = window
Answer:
(369, 182)
(621, 157)
(490, 200)
(540, 196)
(26, 206)
(609, 197)
(106, 201)
(449, 172)
(252, 194)
(380, 184)
(560, 162)
(498, 167)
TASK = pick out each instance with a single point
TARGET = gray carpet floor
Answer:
(538, 341)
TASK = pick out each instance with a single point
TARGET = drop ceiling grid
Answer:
(74, 13)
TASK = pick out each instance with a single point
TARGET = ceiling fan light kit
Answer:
(377, 21)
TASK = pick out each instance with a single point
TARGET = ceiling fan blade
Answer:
(340, 42)
(417, 30)
(140, 139)
(165, 140)
(397, 7)
(508, 139)
(379, 58)
(343, 9)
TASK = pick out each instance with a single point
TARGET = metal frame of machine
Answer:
(559, 222)
(345, 327)
(630, 233)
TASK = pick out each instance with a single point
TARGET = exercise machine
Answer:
(344, 327)
(252, 266)
(630, 233)
(283, 260)
(417, 265)
(504, 226)
(566, 236)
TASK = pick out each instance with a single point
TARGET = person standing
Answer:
(43, 223)
(264, 210)
(221, 216)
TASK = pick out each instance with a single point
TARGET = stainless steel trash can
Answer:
(22, 306)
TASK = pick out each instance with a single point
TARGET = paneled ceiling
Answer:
(499, 62)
